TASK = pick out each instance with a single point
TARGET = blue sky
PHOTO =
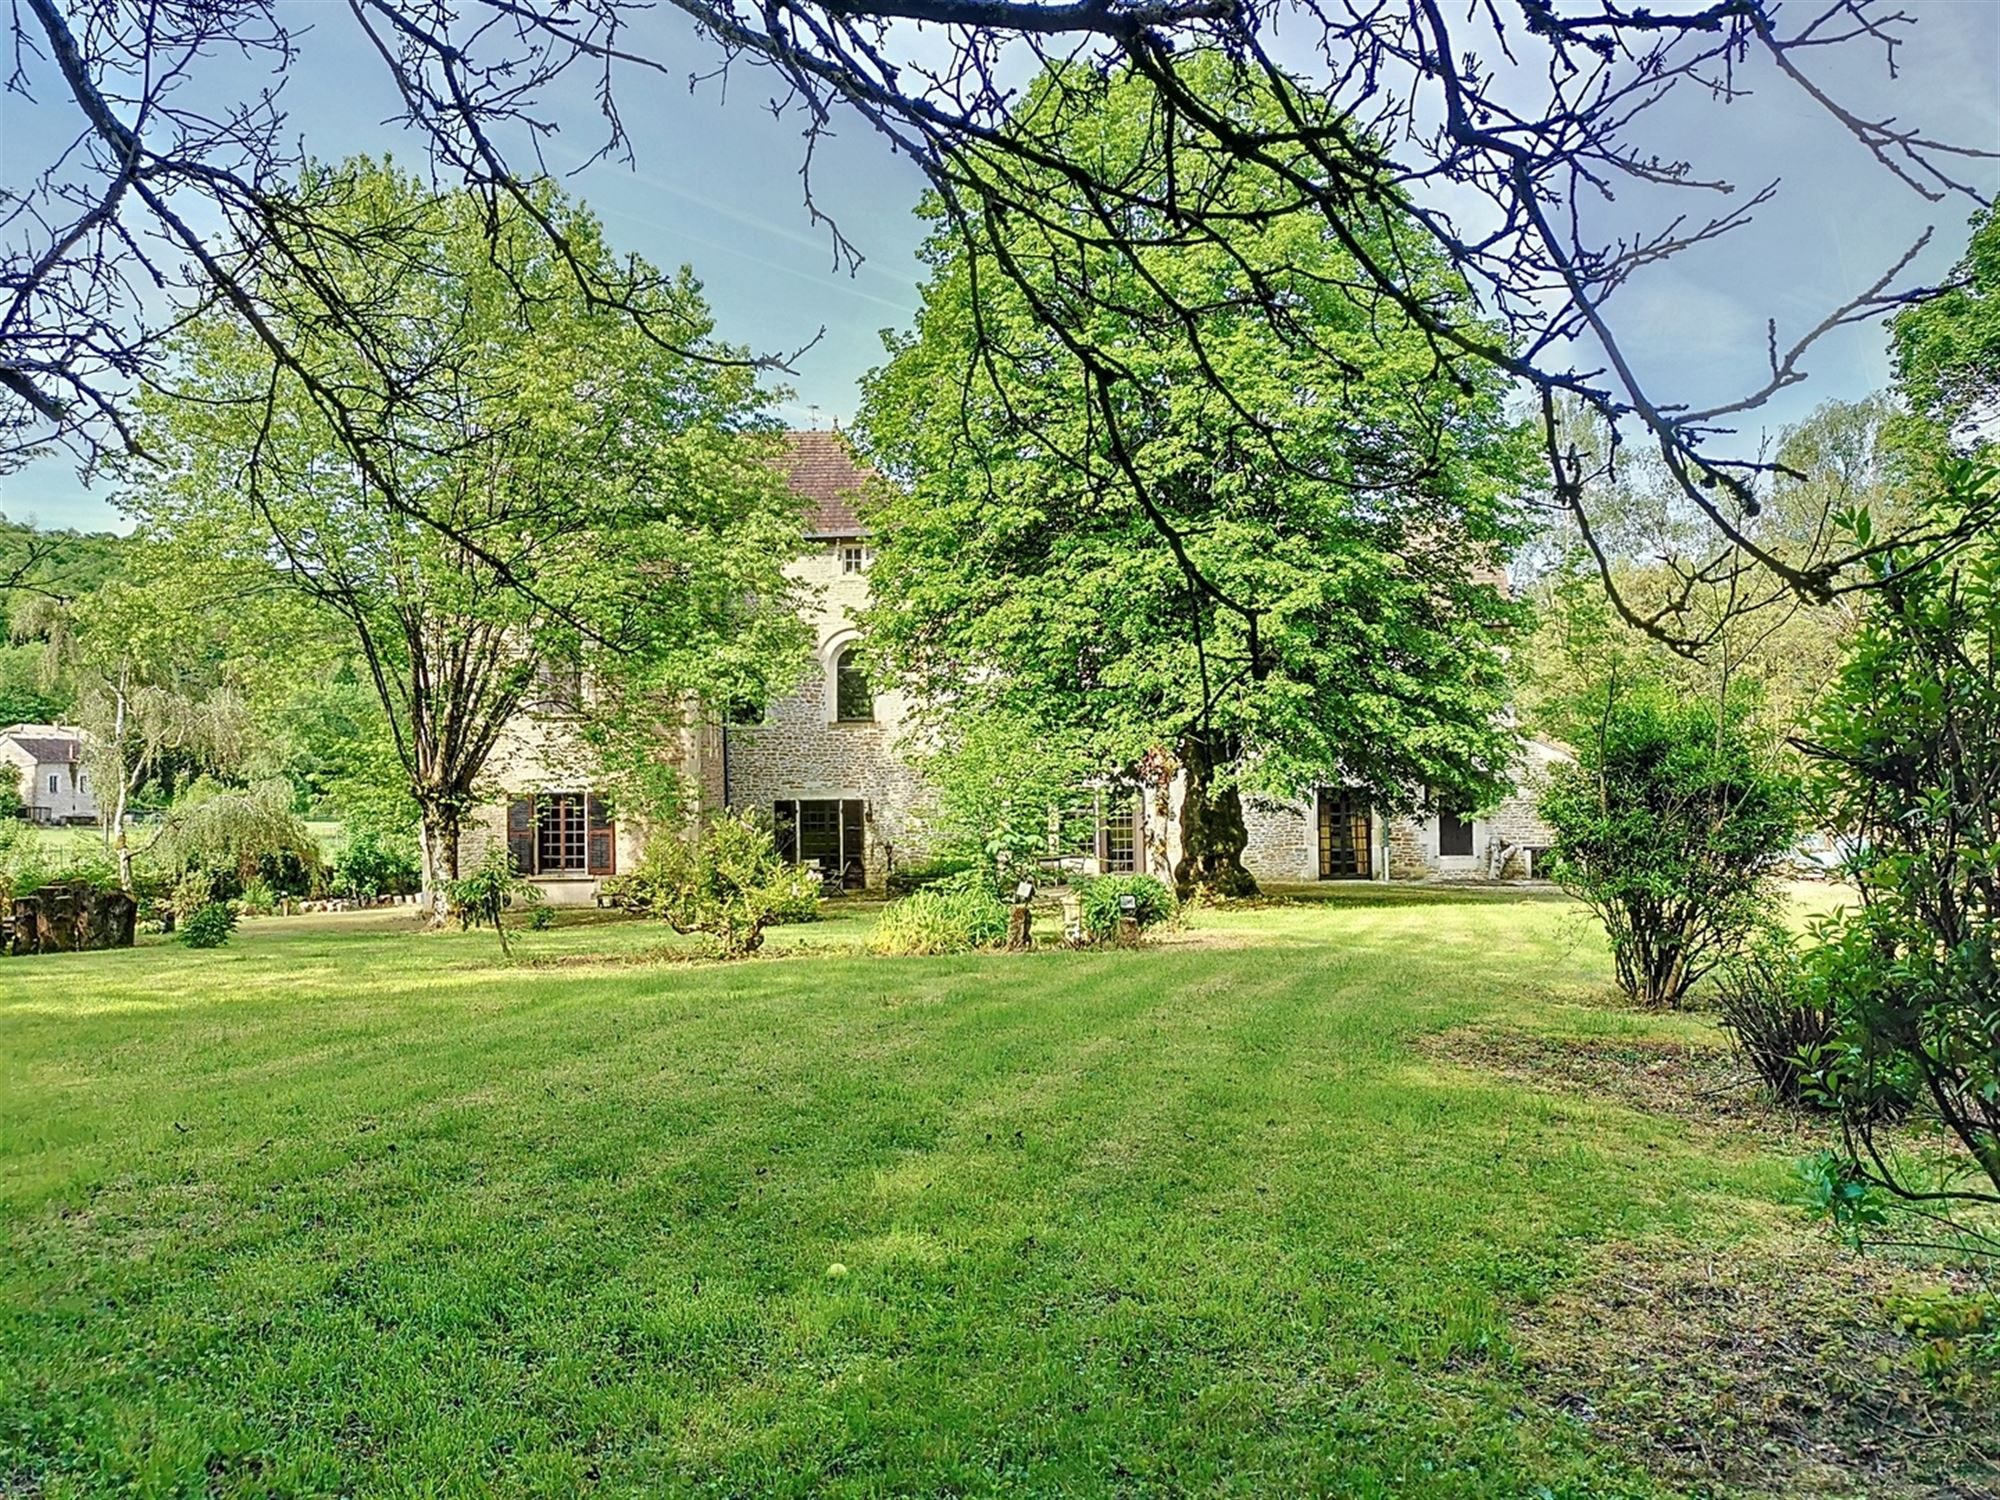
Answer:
(716, 185)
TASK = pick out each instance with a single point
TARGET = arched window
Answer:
(853, 698)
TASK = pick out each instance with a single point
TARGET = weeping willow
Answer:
(214, 827)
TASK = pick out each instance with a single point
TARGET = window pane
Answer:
(561, 837)
(1454, 834)
(1120, 833)
(853, 698)
(1345, 849)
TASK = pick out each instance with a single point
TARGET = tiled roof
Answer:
(826, 475)
(49, 752)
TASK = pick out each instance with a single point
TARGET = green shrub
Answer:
(192, 892)
(258, 899)
(370, 865)
(208, 926)
(1669, 826)
(1153, 898)
(955, 914)
(728, 882)
(542, 917)
(21, 860)
(27, 863)
(155, 897)
(1957, 1337)
(237, 834)
(905, 879)
(1780, 1017)
(1906, 774)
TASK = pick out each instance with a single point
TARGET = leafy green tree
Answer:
(1906, 770)
(370, 865)
(150, 663)
(1669, 825)
(53, 564)
(42, 575)
(1273, 552)
(1947, 349)
(328, 735)
(238, 833)
(1775, 658)
(542, 486)
(1002, 785)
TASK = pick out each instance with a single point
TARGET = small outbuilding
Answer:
(48, 758)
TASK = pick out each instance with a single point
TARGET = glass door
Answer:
(1345, 848)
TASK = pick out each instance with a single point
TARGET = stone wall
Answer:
(1282, 841)
(542, 751)
(800, 752)
(1514, 822)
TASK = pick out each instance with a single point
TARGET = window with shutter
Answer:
(561, 840)
(1454, 834)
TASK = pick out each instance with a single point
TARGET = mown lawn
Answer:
(342, 1209)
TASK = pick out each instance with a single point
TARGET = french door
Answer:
(1346, 850)
(825, 834)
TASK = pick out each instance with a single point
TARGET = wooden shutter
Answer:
(785, 830)
(1103, 831)
(601, 836)
(853, 848)
(1140, 864)
(521, 833)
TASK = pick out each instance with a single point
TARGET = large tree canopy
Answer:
(606, 502)
(1948, 349)
(1327, 605)
(1495, 135)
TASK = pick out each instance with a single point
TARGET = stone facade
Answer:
(48, 760)
(844, 788)
(540, 755)
(802, 757)
(1509, 835)
(804, 752)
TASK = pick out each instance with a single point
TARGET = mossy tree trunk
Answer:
(1213, 834)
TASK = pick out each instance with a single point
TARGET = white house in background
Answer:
(830, 764)
(49, 760)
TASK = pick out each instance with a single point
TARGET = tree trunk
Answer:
(440, 854)
(1213, 835)
(116, 832)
